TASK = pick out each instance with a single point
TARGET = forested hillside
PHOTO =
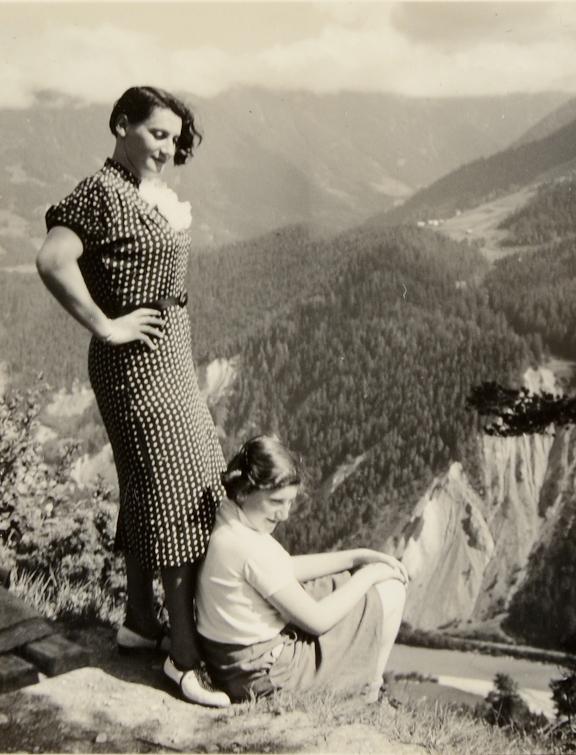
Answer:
(242, 287)
(537, 290)
(549, 216)
(233, 291)
(364, 345)
(36, 335)
(378, 364)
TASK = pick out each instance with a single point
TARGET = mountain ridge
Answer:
(520, 166)
(558, 118)
(268, 159)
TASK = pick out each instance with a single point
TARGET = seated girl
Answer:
(269, 621)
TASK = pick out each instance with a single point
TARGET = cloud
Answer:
(421, 49)
(14, 89)
(382, 60)
(447, 25)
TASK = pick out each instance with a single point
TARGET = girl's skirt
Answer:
(343, 658)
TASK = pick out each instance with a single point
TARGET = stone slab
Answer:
(55, 655)
(19, 623)
(15, 673)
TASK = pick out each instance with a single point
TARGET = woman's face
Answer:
(265, 508)
(149, 146)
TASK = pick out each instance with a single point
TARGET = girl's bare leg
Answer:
(392, 595)
(393, 598)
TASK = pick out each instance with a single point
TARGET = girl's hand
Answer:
(378, 571)
(140, 325)
(368, 556)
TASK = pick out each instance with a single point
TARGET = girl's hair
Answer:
(263, 463)
(137, 103)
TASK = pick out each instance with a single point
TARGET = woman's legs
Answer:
(140, 610)
(179, 584)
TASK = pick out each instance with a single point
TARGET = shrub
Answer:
(564, 695)
(48, 528)
(506, 708)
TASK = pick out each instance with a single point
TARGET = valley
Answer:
(480, 225)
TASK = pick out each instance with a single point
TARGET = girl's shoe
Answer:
(193, 688)
(129, 641)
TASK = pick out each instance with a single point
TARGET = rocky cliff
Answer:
(543, 608)
(493, 545)
(466, 543)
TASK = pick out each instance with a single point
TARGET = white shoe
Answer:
(193, 688)
(127, 640)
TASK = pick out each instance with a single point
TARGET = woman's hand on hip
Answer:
(143, 324)
(369, 556)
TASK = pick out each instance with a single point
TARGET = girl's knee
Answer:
(392, 595)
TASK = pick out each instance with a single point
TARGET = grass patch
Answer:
(57, 597)
(435, 727)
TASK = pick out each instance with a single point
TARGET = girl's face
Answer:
(265, 508)
(149, 146)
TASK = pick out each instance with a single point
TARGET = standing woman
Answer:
(115, 257)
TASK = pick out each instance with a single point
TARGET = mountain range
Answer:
(268, 159)
(542, 154)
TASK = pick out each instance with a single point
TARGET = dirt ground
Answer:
(124, 704)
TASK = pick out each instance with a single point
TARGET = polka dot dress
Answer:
(165, 446)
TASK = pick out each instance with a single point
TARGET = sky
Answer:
(93, 51)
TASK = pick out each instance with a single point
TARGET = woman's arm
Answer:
(318, 616)
(57, 264)
(320, 564)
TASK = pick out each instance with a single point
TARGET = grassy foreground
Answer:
(433, 727)
(324, 721)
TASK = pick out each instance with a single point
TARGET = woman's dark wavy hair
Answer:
(263, 463)
(137, 103)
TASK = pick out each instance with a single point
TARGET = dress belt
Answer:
(160, 304)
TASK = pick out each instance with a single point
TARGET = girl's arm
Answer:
(57, 264)
(320, 564)
(318, 616)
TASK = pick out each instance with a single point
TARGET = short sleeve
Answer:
(82, 211)
(269, 570)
